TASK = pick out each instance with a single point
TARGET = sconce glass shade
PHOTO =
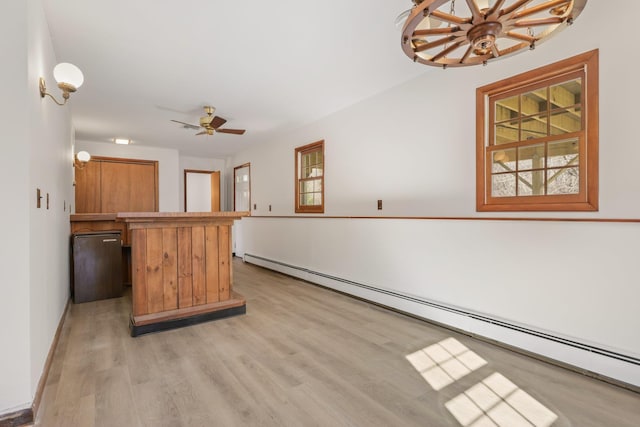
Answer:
(69, 74)
(83, 156)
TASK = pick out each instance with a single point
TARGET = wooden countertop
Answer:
(131, 217)
(93, 217)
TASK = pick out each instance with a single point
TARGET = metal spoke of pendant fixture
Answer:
(472, 32)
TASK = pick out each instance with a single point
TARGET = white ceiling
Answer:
(267, 66)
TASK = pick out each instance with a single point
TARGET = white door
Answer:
(241, 202)
(242, 188)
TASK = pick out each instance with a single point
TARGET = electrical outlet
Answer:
(47, 200)
(269, 208)
(255, 206)
(379, 205)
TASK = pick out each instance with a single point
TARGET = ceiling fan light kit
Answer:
(210, 124)
(450, 33)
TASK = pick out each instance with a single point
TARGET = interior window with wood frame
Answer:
(537, 139)
(310, 178)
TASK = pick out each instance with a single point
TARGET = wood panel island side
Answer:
(181, 268)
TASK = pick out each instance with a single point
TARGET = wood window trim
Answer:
(298, 152)
(587, 199)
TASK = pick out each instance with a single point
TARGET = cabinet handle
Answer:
(109, 240)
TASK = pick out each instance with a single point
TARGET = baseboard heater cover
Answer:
(578, 354)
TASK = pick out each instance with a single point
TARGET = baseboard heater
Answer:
(458, 311)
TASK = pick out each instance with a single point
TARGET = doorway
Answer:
(201, 191)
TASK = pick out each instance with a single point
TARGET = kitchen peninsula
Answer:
(178, 264)
(181, 268)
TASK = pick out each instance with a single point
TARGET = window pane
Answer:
(507, 108)
(566, 94)
(531, 157)
(531, 183)
(504, 160)
(563, 153)
(566, 120)
(503, 185)
(306, 199)
(534, 103)
(507, 132)
(563, 181)
(534, 127)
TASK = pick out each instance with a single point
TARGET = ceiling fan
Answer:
(210, 124)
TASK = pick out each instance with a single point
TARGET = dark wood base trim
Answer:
(137, 330)
(47, 364)
(27, 416)
(17, 419)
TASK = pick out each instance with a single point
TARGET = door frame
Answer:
(210, 172)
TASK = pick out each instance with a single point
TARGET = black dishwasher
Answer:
(97, 266)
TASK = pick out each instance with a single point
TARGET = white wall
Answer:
(50, 137)
(414, 147)
(171, 168)
(36, 154)
(168, 160)
(16, 194)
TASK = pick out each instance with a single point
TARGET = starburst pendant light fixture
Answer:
(450, 33)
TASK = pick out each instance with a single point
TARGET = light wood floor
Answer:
(301, 356)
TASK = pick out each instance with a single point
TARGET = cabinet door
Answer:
(87, 183)
(128, 187)
(97, 267)
(110, 185)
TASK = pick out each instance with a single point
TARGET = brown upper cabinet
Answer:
(109, 185)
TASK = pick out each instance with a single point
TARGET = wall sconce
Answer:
(69, 78)
(81, 159)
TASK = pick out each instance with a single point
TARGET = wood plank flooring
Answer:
(301, 356)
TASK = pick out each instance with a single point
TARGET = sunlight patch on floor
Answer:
(445, 362)
(496, 401)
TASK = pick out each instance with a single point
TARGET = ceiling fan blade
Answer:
(204, 132)
(233, 131)
(187, 125)
(217, 121)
